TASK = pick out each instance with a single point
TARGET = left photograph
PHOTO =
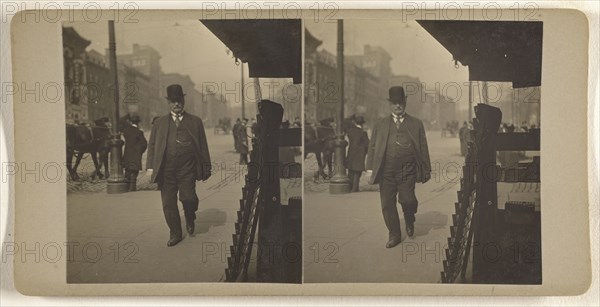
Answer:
(184, 151)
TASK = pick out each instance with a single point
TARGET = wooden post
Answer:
(270, 266)
(485, 246)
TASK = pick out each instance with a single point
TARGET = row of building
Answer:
(368, 76)
(89, 88)
(367, 79)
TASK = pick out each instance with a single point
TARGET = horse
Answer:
(320, 141)
(82, 139)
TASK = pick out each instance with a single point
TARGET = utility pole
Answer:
(243, 95)
(340, 184)
(116, 181)
(470, 118)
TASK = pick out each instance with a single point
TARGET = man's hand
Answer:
(426, 177)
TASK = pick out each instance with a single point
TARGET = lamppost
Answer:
(340, 184)
(243, 94)
(115, 182)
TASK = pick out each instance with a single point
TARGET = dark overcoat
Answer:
(135, 145)
(157, 145)
(378, 145)
(358, 144)
(242, 136)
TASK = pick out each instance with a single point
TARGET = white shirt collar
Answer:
(180, 115)
(399, 117)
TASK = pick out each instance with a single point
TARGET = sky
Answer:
(187, 47)
(413, 50)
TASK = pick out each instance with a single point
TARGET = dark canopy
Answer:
(271, 47)
(509, 51)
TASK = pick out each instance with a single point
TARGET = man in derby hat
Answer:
(398, 157)
(358, 144)
(135, 145)
(178, 156)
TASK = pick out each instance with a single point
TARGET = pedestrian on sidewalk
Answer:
(463, 135)
(358, 145)
(234, 133)
(398, 158)
(178, 151)
(242, 136)
(135, 146)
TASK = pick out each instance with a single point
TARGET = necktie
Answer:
(177, 120)
(397, 119)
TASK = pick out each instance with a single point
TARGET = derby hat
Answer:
(135, 119)
(359, 120)
(397, 94)
(101, 121)
(327, 121)
(175, 92)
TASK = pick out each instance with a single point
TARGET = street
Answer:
(122, 237)
(345, 235)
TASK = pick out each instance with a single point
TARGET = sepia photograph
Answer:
(326, 150)
(183, 146)
(422, 151)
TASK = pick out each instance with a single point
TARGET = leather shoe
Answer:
(174, 240)
(189, 223)
(393, 242)
(410, 229)
(189, 226)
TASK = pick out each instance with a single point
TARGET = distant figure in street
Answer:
(399, 158)
(234, 132)
(250, 129)
(178, 156)
(358, 145)
(242, 138)
(463, 135)
(125, 121)
(135, 146)
(297, 123)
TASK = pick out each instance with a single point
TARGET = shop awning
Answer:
(271, 47)
(505, 51)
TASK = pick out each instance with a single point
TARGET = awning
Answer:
(271, 47)
(506, 51)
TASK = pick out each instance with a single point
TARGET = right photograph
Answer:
(422, 151)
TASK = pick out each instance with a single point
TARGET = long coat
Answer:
(358, 145)
(135, 145)
(158, 144)
(242, 136)
(378, 144)
(236, 140)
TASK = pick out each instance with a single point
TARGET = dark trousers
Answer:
(178, 176)
(398, 184)
(354, 179)
(131, 178)
(243, 159)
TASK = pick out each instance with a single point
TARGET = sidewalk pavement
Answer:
(345, 240)
(345, 235)
(122, 237)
